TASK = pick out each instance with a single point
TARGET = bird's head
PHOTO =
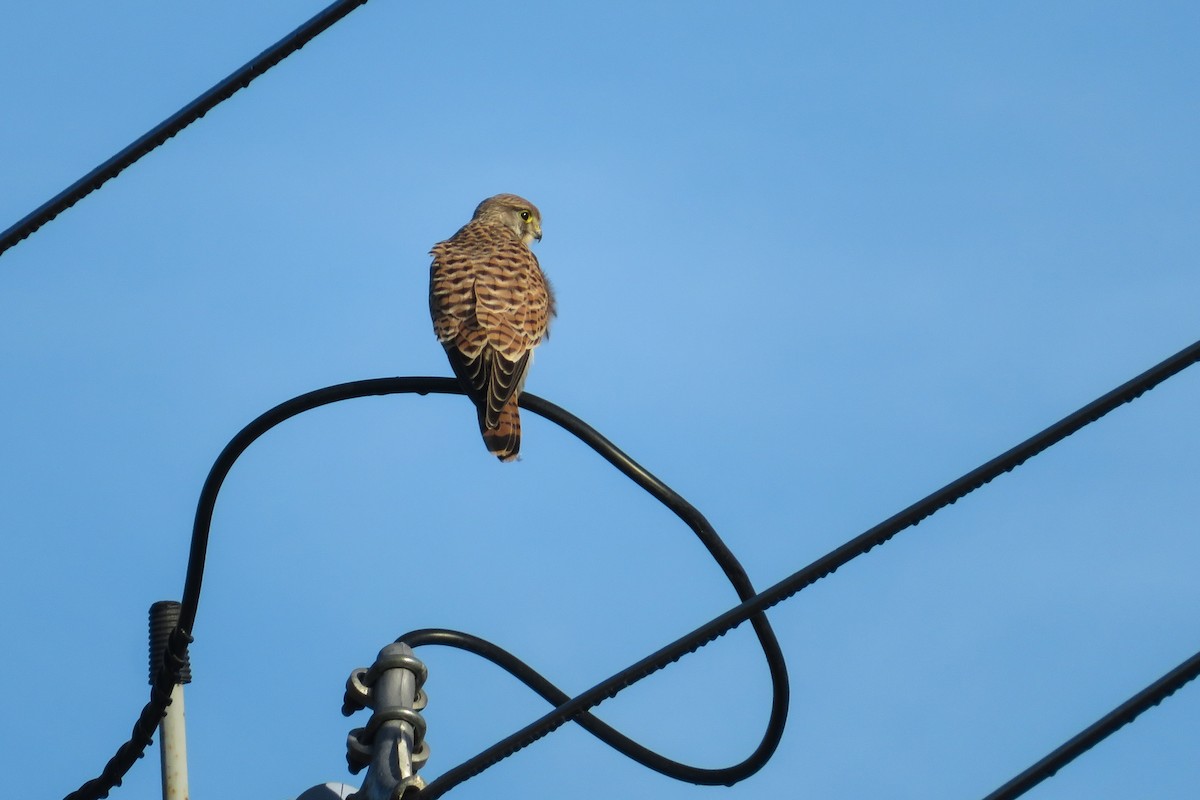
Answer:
(513, 212)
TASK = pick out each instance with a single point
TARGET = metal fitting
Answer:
(392, 745)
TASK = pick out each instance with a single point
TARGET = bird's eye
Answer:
(525, 216)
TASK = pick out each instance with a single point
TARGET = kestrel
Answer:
(491, 305)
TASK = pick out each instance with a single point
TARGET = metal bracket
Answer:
(392, 745)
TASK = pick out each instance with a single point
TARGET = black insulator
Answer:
(164, 618)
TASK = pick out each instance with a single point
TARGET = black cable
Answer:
(174, 659)
(776, 663)
(556, 697)
(820, 568)
(246, 436)
(176, 649)
(1104, 727)
(177, 646)
(684, 510)
(177, 122)
(729, 565)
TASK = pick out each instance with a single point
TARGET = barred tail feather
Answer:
(504, 440)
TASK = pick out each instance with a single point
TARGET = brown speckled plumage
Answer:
(491, 305)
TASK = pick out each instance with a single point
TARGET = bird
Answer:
(491, 305)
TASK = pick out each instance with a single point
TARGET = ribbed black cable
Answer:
(820, 568)
(177, 122)
(1104, 727)
(174, 658)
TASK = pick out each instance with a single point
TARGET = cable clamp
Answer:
(392, 744)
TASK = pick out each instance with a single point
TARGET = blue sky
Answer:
(813, 262)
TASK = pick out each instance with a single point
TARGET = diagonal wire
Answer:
(177, 122)
(826, 565)
(1109, 724)
(750, 608)
(177, 646)
(1104, 727)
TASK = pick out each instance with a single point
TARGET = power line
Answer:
(1124, 714)
(1107, 725)
(634, 471)
(177, 646)
(576, 709)
(752, 607)
(177, 122)
(809, 575)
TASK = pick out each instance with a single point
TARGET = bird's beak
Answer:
(537, 233)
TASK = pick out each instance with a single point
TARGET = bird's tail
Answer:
(504, 440)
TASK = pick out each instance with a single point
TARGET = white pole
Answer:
(172, 746)
(172, 731)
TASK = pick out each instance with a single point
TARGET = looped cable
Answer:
(751, 608)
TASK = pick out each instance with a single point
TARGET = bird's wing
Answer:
(489, 378)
